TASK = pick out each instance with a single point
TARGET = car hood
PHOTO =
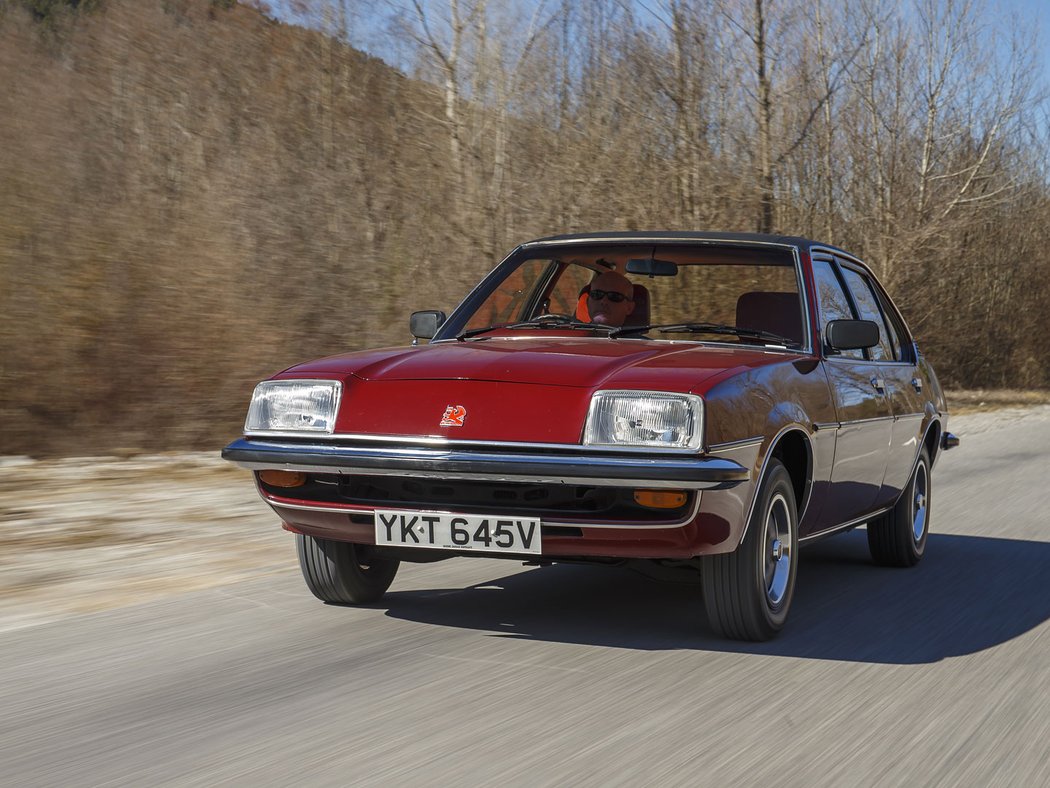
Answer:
(526, 390)
(551, 361)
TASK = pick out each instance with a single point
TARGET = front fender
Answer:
(800, 468)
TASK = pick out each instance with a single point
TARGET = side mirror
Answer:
(424, 325)
(851, 334)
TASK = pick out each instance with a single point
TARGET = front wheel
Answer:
(343, 573)
(747, 593)
(898, 538)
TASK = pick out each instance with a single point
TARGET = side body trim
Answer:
(718, 448)
(844, 526)
(867, 421)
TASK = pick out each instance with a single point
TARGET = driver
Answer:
(611, 299)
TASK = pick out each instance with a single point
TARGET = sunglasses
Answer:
(612, 295)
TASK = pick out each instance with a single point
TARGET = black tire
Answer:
(744, 600)
(892, 538)
(343, 573)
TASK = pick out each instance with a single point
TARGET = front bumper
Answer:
(568, 535)
(464, 464)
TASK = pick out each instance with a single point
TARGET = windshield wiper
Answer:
(708, 328)
(541, 322)
(473, 332)
(559, 321)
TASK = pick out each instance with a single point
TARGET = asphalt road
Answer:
(478, 672)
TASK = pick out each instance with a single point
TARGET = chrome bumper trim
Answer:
(691, 473)
(444, 442)
(277, 506)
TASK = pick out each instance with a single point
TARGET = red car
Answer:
(762, 392)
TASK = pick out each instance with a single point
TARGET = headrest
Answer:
(778, 313)
(639, 317)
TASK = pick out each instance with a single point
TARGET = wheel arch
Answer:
(792, 446)
(931, 439)
(795, 452)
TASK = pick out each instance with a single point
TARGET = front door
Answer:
(863, 440)
(865, 419)
(894, 358)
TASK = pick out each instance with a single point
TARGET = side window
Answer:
(508, 301)
(832, 301)
(566, 293)
(898, 334)
(868, 305)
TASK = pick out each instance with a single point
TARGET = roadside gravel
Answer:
(85, 534)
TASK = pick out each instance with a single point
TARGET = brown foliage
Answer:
(193, 196)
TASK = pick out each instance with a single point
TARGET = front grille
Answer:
(550, 501)
(495, 496)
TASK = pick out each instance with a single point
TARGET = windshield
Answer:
(674, 292)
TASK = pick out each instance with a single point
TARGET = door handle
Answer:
(879, 384)
(917, 385)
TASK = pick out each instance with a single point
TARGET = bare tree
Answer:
(446, 48)
(192, 196)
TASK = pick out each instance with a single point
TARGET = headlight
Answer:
(293, 406)
(642, 418)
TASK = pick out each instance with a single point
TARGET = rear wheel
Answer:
(343, 573)
(747, 593)
(898, 538)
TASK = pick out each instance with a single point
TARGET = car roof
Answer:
(683, 235)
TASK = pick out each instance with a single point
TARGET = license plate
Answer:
(482, 532)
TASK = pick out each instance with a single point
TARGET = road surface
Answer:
(479, 672)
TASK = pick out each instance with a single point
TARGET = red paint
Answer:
(530, 390)
(524, 389)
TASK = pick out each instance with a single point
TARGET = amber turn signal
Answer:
(282, 478)
(660, 499)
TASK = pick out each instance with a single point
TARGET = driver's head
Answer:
(610, 300)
